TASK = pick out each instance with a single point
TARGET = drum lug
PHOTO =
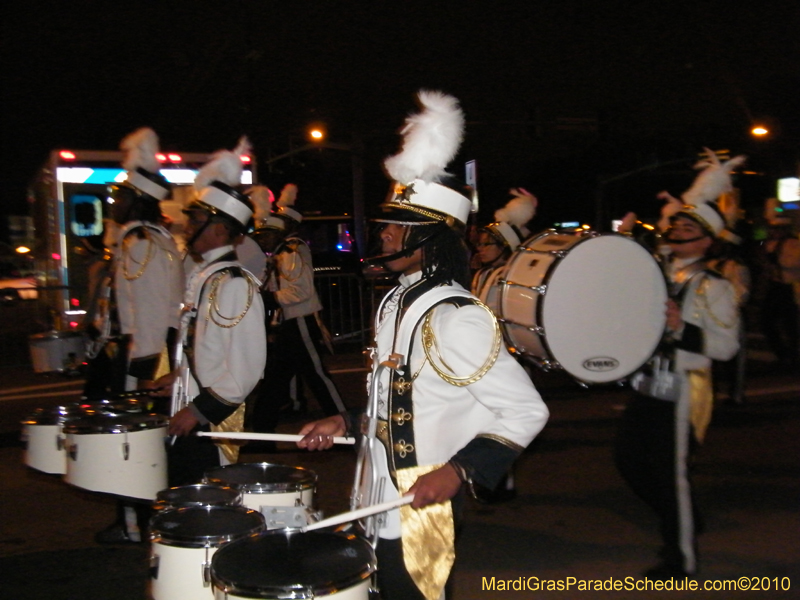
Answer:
(154, 562)
(539, 289)
(60, 442)
(126, 450)
(72, 451)
(206, 566)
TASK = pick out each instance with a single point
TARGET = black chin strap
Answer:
(406, 251)
(197, 234)
(678, 242)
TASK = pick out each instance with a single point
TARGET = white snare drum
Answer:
(283, 494)
(183, 542)
(123, 455)
(591, 304)
(43, 437)
(56, 351)
(199, 494)
(275, 565)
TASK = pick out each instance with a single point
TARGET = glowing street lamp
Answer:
(759, 131)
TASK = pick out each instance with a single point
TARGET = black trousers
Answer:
(296, 352)
(651, 452)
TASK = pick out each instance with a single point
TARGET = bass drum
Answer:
(294, 565)
(590, 304)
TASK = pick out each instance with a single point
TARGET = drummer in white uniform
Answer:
(498, 240)
(222, 326)
(457, 409)
(670, 410)
(135, 307)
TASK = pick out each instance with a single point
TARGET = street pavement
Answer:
(573, 516)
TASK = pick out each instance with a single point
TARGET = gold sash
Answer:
(701, 400)
(235, 422)
(428, 536)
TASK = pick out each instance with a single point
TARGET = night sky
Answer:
(653, 81)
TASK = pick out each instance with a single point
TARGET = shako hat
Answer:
(509, 228)
(215, 184)
(423, 192)
(700, 200)
(139, 160)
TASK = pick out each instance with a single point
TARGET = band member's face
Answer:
(488, 249)
(687, 229)
(195, 221)
(392, 240)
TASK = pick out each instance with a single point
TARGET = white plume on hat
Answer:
(713, 181)
(261, 197)
(140, 148)
(430, 139)
(288, 196)
(714, 178)
(519, 210)
(668, 210)
(224, 166)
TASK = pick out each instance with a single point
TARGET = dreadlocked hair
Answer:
(445, 257)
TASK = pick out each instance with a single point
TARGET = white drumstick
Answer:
(360, 513)
(267, 437)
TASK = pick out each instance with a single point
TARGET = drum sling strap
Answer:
(428, 534)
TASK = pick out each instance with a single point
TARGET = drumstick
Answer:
(267, 437)
(359, 513)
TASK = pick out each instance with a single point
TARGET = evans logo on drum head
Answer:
(600, 364)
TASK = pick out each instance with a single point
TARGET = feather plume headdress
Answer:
(286, 202)
(216, 181)
(714, 180)
(511, 219)
(139, 160)
(423, 186)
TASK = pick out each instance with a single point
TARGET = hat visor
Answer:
(408, 214)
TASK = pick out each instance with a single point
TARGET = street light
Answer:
(759, 131)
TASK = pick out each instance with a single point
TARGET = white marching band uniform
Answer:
(148, 285)
(222, 337)
(500, 404)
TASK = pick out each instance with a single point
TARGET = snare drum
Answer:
(123, 455)
(590, 304)
(295, 565)
(183, 543)
(56, 351)
(199, 494)
(265, 484)
(43, 437)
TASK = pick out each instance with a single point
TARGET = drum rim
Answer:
(53, 335)
(298, 591)
(165, 503)
(203, 541)
(54, 415)
(264, 488)
(100, 424)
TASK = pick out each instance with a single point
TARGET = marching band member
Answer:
(137, 303)
(671, 407)
(222, 326)
(498, 240)
(453, 406)
(298, 347)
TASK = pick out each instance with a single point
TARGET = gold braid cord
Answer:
(429, 341)
(213, 303)
(126, 257)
